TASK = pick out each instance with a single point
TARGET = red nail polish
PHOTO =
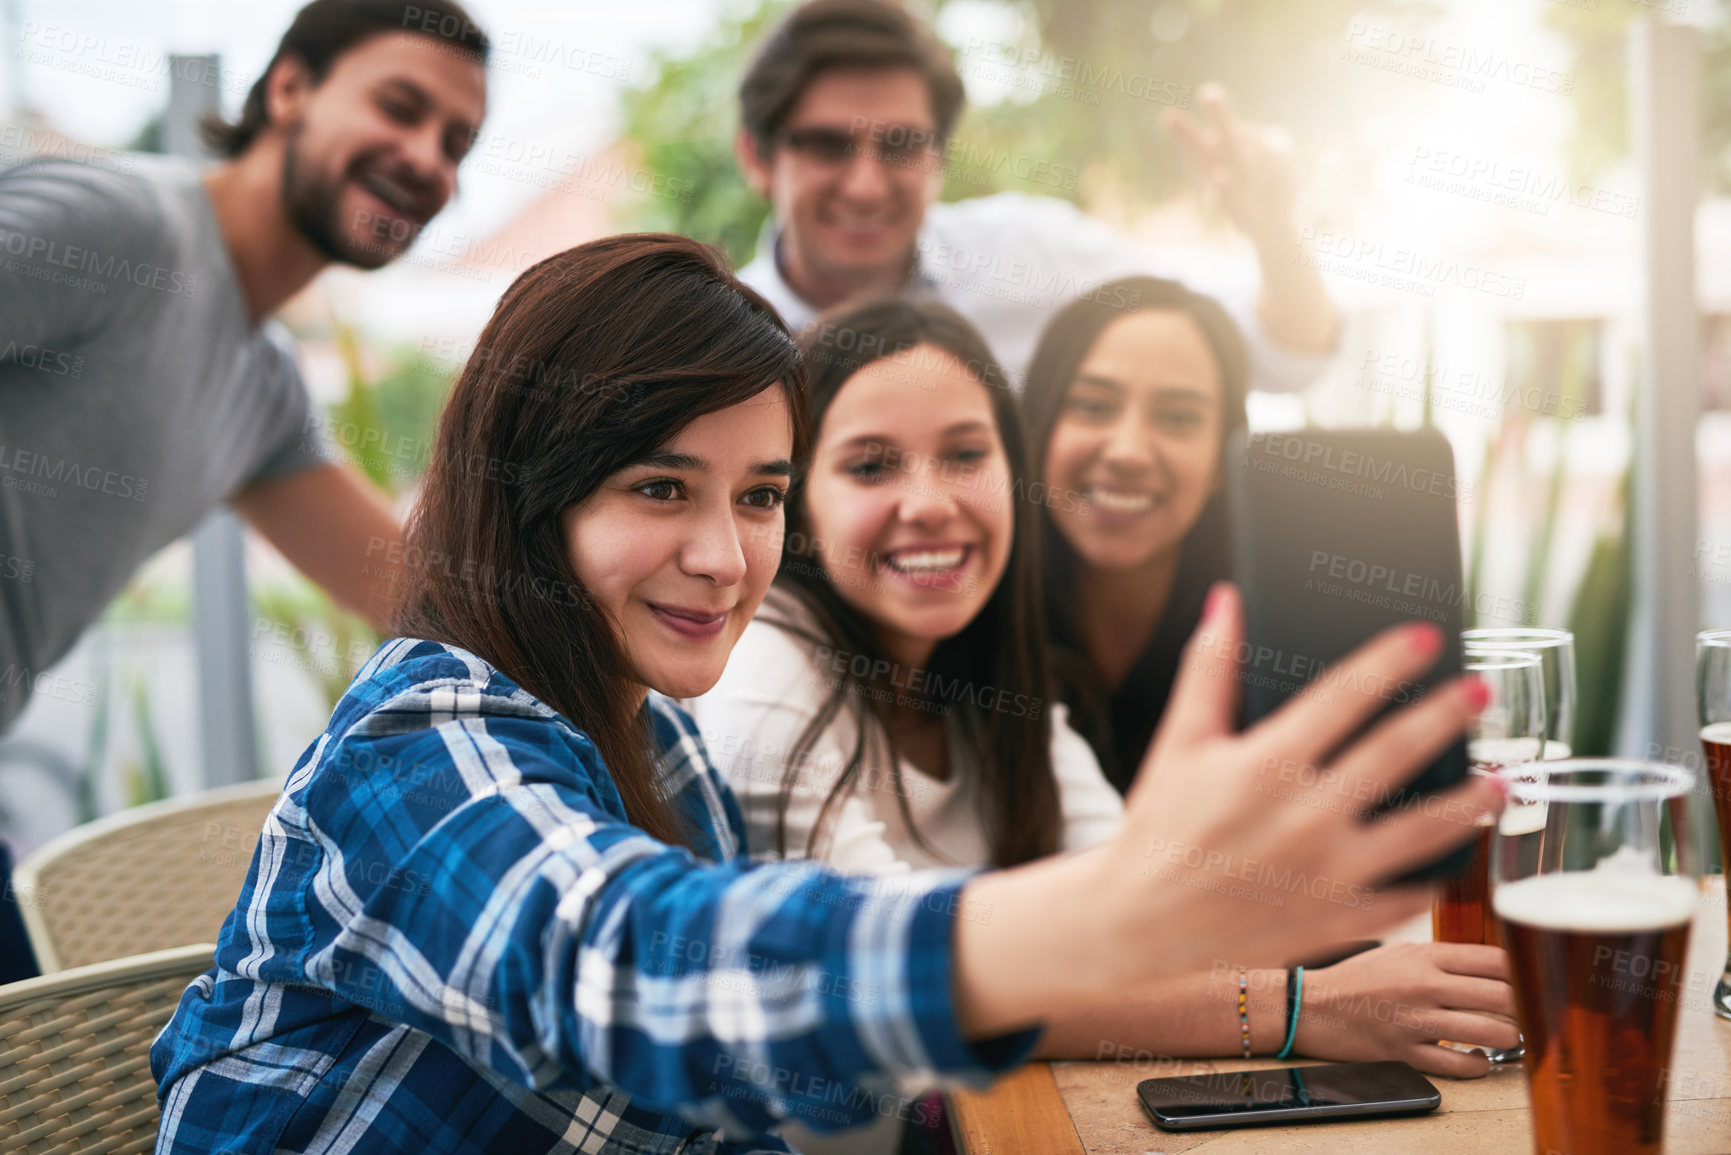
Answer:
(1425, 639)
(1211, 605)
(1478, 694)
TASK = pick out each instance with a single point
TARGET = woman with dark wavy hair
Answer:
(1129, 408)
(890, 708)
(502, 905)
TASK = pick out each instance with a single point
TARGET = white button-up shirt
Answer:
(1009, 261)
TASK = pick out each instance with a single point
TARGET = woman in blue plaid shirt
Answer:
(501, 904)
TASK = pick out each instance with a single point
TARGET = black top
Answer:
(1120, 725)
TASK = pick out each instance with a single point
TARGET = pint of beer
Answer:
(1716, 745)
(1597, 931)
(1713, 698)
(1510, 731)
(1557, 650)
(1462, 910)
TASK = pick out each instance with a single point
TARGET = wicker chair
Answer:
(75, 1053)
(145, 879)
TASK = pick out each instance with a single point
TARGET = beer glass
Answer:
(1556, 648)
(1713, 699)
(1508, 733)
(1597, 930)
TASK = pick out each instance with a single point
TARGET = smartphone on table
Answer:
(1287, 1095)
(1338, 534)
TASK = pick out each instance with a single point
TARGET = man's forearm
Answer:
(336, 528)
(1294, 306)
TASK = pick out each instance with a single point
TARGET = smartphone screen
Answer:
(1287, 1095)
(1338, 534)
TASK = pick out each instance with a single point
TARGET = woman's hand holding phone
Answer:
(1239, 848)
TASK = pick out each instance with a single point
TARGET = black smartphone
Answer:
(1287, 1095)
(1337, 535)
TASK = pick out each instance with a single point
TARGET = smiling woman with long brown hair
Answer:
(501, 904)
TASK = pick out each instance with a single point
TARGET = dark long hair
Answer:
(1064, 345)
(323, 31)
(593, 359)
(1002, 649)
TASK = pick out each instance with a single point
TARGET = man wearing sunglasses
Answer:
(845, 113)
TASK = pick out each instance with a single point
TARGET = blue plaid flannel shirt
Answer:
(451, 940)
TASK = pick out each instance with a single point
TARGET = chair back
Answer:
(75, 1053)
(144, 879)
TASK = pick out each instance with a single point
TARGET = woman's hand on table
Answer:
(1397, 1001)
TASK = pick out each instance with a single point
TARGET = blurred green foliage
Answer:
(684, 121)
(1598, 38)
(385, 426)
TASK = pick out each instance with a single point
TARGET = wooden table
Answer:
(1091, 1108)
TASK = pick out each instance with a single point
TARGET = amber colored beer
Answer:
(1597, 958)
(1462, 910)
(1716, 745)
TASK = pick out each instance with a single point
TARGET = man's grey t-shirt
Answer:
(134, 393)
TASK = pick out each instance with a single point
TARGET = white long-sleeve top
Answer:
(775, 683)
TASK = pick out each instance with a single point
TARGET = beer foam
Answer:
(1522, 818)
(1505, 751)
(1556, 751)
(1719, 732)
(1601, 901)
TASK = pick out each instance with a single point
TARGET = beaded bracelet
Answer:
(1244, 1008)
(1294, 993)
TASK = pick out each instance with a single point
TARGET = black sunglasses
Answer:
(897, 144)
